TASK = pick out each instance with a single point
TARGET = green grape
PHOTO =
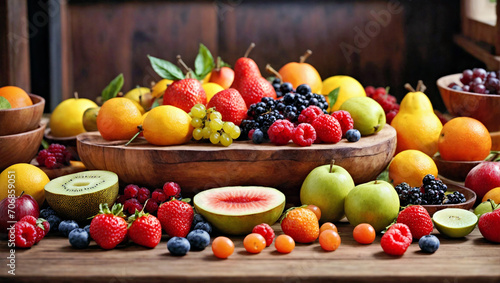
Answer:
(207, 123)
(215, 137)
(225, 139)
(196, 122)
(190, 114)
(235, 133)
(216, 125)
(199, 111)
(215, 116)
(206, 132)
(210, 110)
(198, 134)
(228, 126)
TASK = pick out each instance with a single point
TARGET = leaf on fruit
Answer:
(384, 176)
(333, 95)
(45, 144)
(113, 88)
(204, 62)
(222, 63)
(156, 103)
(165, 69)
(387, 88)
(4, 103)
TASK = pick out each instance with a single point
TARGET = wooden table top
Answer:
(470, 259)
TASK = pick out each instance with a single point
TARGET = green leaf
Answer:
(387, 88)
(45, 144)
(113, 88)
(204, 62)
(4, 103)
(223, 64)
(165, 69)
(333, 95)
(384, 176)
(156, 103)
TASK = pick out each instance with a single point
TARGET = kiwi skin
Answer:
(83, 206)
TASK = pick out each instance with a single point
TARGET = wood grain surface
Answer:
(199, 166)
(469, 259)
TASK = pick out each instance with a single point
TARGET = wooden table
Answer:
(470, 259)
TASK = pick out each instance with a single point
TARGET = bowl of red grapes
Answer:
(473, 93)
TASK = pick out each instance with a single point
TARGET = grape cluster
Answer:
(208, 124)
(433, 190)
(455, 197)
(289, 106)
(478, 80)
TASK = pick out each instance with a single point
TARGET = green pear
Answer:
(367, 114)
(326, 187)
(486, 206)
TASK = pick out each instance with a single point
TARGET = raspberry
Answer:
(29, 219)
(250, 134)
(42, 155)
(131, 191)
(388, 102)
(379, 91)
(389, 116)
(327, 128)
(396, 240)
(417, 219)
(172, 189)
(309, 114)
(280, 132)
(143, 194)
(158, 195)
(266, 231)
(60, 152)
(304, 135)
(345, 120)
(370, 90)
(151, 206)
(121, 199)
(131, 205)
(24, 234)
(51, 162)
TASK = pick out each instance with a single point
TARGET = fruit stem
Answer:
(492, 204)
(183, 65)
(252, 45)
(152, 84)
(217, 64)
(135, 136)
(273, 71)
(305, 56)
(409, 87)
(22, 193)
(420, 86)
(75, 94)
(331, 165)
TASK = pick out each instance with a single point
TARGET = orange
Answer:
(16, 96)
(118, 119)
(298, 73)
(411, 166)
(464, 139)
(493, 194)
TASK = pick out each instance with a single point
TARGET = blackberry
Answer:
(408, 195)
(455, 197)
(427, 179)
(433, 190)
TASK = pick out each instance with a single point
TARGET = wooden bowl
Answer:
(483, 107)
(20, 148)
(20, 120)
(200, 166)
(454, 170)
(469, 194)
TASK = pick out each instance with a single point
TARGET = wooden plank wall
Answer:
(391, 43)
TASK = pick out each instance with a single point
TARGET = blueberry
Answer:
(87, 228)
(178, 246)
(198, 239)
(66, 226)
(428, 243)
(279, 94)
(313, 101)
(303, 89)
(276, 81)
(276, 86)
(353, 135)
(289, 98)
(46, 212)
(258, 136)
(198, 218)
(54, 221)
(79, 238)
(205, 226)
(286, 87)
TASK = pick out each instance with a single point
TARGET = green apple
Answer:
(486, 206)
(326, 187)
(367, 114)
(375, 202)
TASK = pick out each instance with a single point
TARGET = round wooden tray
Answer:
(199, 166)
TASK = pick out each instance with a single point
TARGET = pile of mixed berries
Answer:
(387, 101)
(478, 80)
(299, 116)
(432, 191)
(55, 156)
(29, 231)
(136, 198)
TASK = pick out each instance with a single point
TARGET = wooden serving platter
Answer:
(198, 166)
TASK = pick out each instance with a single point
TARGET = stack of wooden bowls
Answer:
(21, 132)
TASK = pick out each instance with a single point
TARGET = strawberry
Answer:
(396, 240)
(108, 228)
(42, 227)
(301, 224)
(230, 104)
(176, 217)
(144, 229)
(253, 89)
(417, 219)
(184, 94)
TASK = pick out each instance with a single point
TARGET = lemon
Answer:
(25, 177)
(141, 109)
(211, 89)
(67, 119)
(141, 95)
(167, 125)
(159, 88)
(349, 87)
